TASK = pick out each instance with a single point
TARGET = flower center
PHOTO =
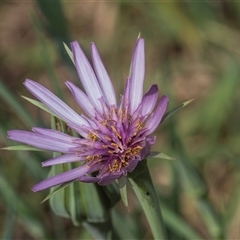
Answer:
(118, 141)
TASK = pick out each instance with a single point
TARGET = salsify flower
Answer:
(114, 137)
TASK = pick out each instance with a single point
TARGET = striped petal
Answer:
(137, 75)
(87, 76)
(89, 179)
(40, 141)
(109, 178)
(156, 118)
(67, 158)
(61, 178)
(59, 136)
(103, 77)
(54, 103)
(82, 99)
(126, 93)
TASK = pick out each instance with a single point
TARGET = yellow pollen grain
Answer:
(114, 145)
(94, 157)
(139, 127)
(104, 123)
(136, 150)
(116, 132)
(92, 136)
(108, 138)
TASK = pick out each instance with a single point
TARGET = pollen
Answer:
(116, 132)
(115, 166)
(93, 136)
(136, 150)
(94, 157)
(108, 138)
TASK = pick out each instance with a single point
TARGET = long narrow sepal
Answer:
(145, 192)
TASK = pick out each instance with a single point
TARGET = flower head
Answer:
(114, 137)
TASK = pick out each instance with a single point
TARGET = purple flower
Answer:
(114, 138)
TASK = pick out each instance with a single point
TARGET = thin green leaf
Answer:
(168, 114)
(57, 189)
(160, 155)
(112, 192)
(145, 192)
(123, 194)
(40, 105)
(69, 52)
(22, 148)
(95, 202)
(123, 190)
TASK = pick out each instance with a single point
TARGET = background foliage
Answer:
(192, 51)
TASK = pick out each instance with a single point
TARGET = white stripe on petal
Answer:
(67, 158)
(54, 103)
(103, 77)
(137, 75)
(87, 76)
(60, 136)
(61, 178)
(82, 99)
(40, 141)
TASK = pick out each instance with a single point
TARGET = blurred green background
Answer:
(192, 51)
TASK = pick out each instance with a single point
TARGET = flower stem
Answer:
(145, 192)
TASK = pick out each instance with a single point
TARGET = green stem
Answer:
(145, 192)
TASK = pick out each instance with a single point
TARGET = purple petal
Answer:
(109, 178)
(146, 150)
(126, 93)
(60, 136)
(67, 158)
(137, 75)
(132, 165)
(149, 100)
(88, 179)
(151, 140)
(87, 76)
(54, 103)
(40, 141)
(82, 99)
(103, 77)
(61, 178)
(156, 118)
